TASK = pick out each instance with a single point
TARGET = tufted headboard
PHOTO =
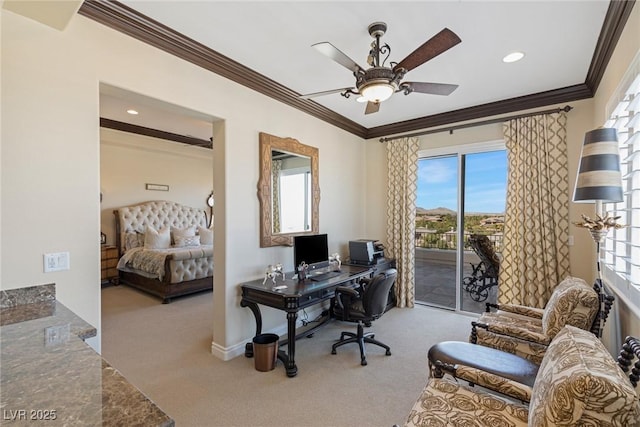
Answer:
(158, 214)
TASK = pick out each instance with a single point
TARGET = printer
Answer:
(365, 251)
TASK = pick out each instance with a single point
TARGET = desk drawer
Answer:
(316, 297)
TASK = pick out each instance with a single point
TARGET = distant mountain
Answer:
(436, 211)
(447, 211)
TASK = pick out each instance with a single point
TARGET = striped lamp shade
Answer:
(599, 176)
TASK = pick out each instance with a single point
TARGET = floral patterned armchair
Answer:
(527, 331)
(578, 383)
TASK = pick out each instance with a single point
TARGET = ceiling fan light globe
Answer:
(377, 92)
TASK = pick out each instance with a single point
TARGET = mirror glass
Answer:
(288, 190)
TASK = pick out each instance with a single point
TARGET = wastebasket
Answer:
(265, 351)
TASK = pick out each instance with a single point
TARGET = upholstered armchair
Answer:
(578, 383)
(527, 331)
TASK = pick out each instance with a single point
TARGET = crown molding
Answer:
(119, 17)
(614, 22)
(155, 133)
(541, 99)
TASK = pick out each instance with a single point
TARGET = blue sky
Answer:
(486, 182)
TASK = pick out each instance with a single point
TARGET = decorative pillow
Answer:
(206, 236)
(160, 239)
(133, 240)
(182, 232)
(182, 241)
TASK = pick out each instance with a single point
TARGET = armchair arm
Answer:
(352, 293)
(344, 297)
(493, 382)
(523, 310)
(509, 331)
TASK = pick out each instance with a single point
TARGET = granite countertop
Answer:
(50, 376)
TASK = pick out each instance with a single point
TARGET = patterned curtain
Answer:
(276, 168)
(535, 255)
(402, 160)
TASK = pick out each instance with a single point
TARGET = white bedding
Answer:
(187, 263)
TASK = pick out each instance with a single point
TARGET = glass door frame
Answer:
(460, 151)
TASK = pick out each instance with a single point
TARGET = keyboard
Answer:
(324, 276)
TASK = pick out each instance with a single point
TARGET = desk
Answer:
(296, 296)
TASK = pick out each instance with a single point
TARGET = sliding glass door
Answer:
(436, 237)
(459, 224)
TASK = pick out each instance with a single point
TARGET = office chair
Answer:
(363, 305)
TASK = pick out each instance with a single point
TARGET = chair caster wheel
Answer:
(363, 362)
(333, 352)
(388, 353)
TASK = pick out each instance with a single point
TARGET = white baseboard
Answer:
(228, 353)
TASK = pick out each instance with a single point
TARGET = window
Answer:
(621, 252)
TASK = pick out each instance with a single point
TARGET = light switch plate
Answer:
(56, 262)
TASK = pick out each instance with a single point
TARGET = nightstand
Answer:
(108, 263)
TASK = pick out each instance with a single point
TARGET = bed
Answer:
(165, 248)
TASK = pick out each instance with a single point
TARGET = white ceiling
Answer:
(275, 38)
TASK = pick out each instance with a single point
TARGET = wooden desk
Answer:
(296, 296)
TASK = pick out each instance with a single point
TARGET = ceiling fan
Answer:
(379, 82)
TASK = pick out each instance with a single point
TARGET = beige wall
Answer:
(51, 163)
(129, 161)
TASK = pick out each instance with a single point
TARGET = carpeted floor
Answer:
(164, 350)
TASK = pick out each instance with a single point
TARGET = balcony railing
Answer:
(428, 239)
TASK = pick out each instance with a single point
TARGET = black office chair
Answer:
(363, 305)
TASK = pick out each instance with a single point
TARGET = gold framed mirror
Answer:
(288, 190)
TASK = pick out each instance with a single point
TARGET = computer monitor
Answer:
(312, 249)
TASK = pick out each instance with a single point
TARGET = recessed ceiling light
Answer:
(132, 111)
(513, 57)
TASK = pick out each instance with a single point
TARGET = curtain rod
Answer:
(450, 129)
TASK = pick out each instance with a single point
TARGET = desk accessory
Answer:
(335, 258)
(302, 270)
(272, 272)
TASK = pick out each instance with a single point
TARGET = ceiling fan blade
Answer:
(326, 92)
(337, 55)
(430, 88)
(372, 107)
(433, 47)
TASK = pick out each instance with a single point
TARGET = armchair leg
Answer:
(361, 338)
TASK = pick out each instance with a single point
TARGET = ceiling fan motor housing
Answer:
(375, 75)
